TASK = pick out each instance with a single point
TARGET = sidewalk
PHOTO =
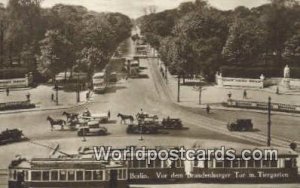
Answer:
(41, 96)
(214, 95)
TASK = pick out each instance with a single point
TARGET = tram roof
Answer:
(65, 163)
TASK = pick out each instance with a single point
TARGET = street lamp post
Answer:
(178, 89)
(269, 123)
(78, 89)
(141, 133)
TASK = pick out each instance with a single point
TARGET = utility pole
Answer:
(56, 93)
(178, 92)
(78, 89)
(269, 123)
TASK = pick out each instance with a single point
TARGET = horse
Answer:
(70, 116)
(59, 122)
(125, 117)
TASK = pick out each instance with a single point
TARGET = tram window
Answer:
(12, 174)
(120, 174)
(143, 164)
(54, 175)
(46, 175)
(15, 175)
(251, 164)
(135, 163)
(288, 163)
(151, 164)
(157, 163)
(88, 175)
(165, 164)
(242, 164)
(36, 175)
(71, 175)
(219, 164)
(124, 174)
(98, 175)
(257, 164)
(227, 164)
(178, 164)
(196, 163)
(235, 164)
(79, 175)
(273, 164)
(266, 164)
(62, 175)
(130, 164)
(26, 175)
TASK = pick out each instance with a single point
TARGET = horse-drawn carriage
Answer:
(144, 115)
(11, 135)
(91, 128)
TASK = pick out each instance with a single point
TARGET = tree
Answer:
(279, 20)
(2, 30)
(91, 58)
(246, 42)
(292, 49)
(54, 54)
(23, 27)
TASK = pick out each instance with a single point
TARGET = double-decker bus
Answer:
(99, 82)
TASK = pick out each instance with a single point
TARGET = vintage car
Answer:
(142, 128)
(11, 135)
(101, 117)
(240, 125)
(91, 128)
(171, 123)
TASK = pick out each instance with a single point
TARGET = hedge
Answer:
(255, 72)
(16, 105)
(10, 73)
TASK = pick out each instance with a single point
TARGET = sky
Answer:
(134, 8)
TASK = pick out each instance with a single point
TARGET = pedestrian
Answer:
(229, 95)
(52, 97)
(293, 145)
(277, 90)
(207, 109)
(7, 91)
(108, 114)
(87, 95)
(28, 97)
(245, 94)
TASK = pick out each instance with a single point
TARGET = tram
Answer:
(83, 170)
(66, 173)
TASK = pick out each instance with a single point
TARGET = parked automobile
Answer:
(171, 123)
(11, 135)
(241, 125)
(91, 128)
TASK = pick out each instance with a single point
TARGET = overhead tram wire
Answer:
(49, 147)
